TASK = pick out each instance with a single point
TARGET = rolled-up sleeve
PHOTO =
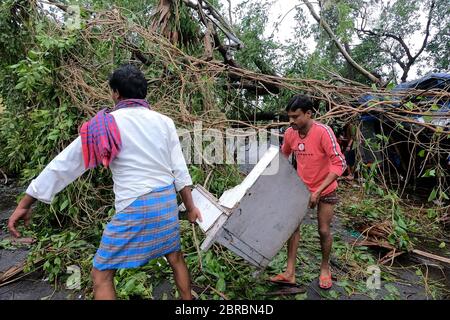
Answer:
(178, 163)
(59, 173)
(286, 146)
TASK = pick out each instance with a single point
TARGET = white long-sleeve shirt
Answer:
(150, 157)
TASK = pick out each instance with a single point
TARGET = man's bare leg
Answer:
(292, 247)
(180, 274)
(324, 217)
(103, 284)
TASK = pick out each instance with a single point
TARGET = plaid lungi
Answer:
(146, 229)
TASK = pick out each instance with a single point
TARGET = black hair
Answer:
(302, 102)
(129, 81)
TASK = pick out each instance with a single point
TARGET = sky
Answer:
(279, 9)
(282, 8)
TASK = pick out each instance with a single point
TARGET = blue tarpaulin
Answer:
(432, 81)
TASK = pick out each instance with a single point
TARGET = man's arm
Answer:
(316, 195)
(286, 147)
(183, 179)
(352, 135)
(60, 172)
(192, 211)
(349, 146)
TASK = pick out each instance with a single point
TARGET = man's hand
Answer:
(22, 212)
(194, 214)
(314, 199)
(19, 214)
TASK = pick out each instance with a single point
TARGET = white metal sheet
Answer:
(231, 197)
(209, 210)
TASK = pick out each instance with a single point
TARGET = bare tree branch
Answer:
(427, 30)
(229, 12)
(389, 35)
(394, 56)
(333, 37)
(411, 59)
(216, 18)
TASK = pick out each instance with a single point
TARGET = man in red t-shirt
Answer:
(319, 163)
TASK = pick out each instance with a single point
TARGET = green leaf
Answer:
(431, 213)
(442, 245)
(57, 261)
(334, 294)
(33, 54)
(64, 205)
(220, 285)
(53, 136)
(402, 223)
(429, 173)
(382, 137)
(392, 289)
(409, 105)
(20, 85)
(390, 86)
(421, 153)
(435, 107)
(130, 285)
(301, 296)
(374, 87)
(400, 126)
(433, 195)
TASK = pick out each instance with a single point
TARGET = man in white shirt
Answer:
(142, 149)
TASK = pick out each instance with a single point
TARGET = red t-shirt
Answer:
(317, 155)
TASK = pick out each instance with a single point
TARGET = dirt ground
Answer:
(35, 287)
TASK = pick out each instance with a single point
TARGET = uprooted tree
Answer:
(52, 78)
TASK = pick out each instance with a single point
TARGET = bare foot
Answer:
(325, 281)
(284, 278)
(21, 240)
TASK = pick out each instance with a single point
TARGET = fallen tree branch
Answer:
(431, 256)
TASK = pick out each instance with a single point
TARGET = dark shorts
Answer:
(330, 198)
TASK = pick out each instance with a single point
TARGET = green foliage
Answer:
(31, 73)
(43, 129)
(259, 52)
(223, 177)
(39, 118)
(131, 283)
(387, 207)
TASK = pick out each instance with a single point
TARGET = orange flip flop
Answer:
(325, 282)
(281, 279)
